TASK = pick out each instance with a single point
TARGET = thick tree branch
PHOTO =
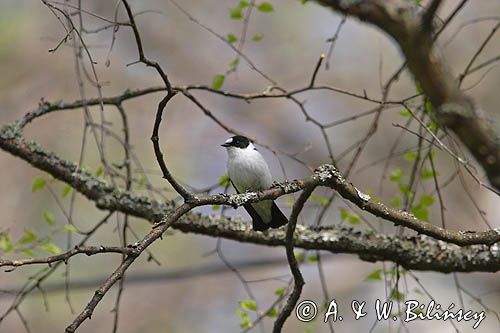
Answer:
(453, 109)
(108, 197)
(411, 252)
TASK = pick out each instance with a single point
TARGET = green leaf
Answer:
(232, 38)
(215, 208)
(426, 174)
(373, 198)
(343, 214)
(70, 228)
(427, 200)
(428, 107)
(38, 184)
(245, 323)
(375, 275)
(249, 305)
(410, 156)
(243, 4)
(396, 295)
(233, 64)
(224, 180)
(418, 86)
(5, 243)
(141, 181)
(99, 171)
(280, 292)
(265, 7)
(235, 13)
(405, 113)
(28, 237)
(421, 212)
(404, 189)
(396, 201)
(257, 38)
(244, 316)
(218, 81)
(322, 201)
(51, 248)
(397, 174)
(433, 125)
(49, 218)
(312, 259)
(299, 256)
(66, 190)
(240, 313)
(272, 313)
(27, 252)
(353, 218)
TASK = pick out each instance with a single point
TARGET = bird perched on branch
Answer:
(249, 172)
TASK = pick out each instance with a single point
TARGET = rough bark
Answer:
(417, 252)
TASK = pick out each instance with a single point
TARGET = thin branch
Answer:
(429, 14)
(298, 280)
(332, 42)
(136, 250)
(88, 250)
(316, 69)
(478, 52)
(161, 107)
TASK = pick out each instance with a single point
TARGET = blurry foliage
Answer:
(10, 30)
(31, 242)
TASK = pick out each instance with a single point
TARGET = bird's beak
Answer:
(227, 143)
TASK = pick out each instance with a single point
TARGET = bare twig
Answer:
(298, 280)
(170, 93)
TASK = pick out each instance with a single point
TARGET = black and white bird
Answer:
(249, 172)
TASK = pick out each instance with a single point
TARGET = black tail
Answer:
(277, 218)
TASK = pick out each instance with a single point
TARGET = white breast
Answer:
(249, 171)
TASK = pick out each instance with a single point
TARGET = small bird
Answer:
(249, 172)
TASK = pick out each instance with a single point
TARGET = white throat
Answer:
(236, 152)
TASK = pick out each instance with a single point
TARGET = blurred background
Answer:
(293, 37)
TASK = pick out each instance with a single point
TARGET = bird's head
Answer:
(237, 142)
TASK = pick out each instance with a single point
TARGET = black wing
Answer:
(277, 217)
